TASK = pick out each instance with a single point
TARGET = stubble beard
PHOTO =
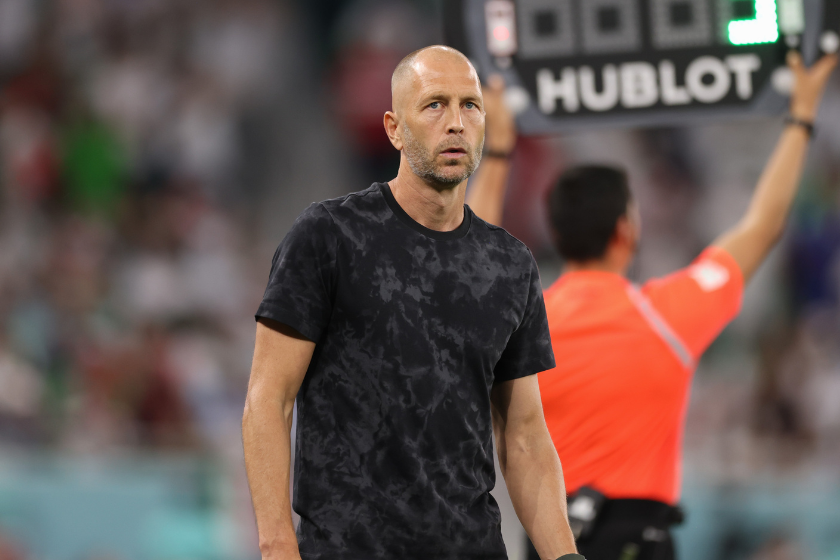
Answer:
(423, 163)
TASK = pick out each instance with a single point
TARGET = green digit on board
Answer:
(763, 28)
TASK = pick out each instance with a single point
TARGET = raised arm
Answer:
(281, 358)
(763, 224)
(486, 192)
(531, 467)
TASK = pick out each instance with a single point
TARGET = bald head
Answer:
(423, 61)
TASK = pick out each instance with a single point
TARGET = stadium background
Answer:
(152, 155)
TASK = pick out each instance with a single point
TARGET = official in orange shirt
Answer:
(615, 404)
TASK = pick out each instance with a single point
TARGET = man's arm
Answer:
(531, 467)
(281, 358)
(486, 193)
(763, 224)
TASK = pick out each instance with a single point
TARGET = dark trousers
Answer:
(628, 530)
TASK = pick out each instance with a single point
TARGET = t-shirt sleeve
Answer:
(300, 286)
(699, 301)
(528, 350)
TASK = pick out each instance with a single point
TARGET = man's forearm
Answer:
(777, 187)
(759, 230)
(266, 436)
(486, 193)
(534, 479)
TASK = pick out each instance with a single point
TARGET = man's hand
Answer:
(500, 126)
(762, 226)
(810, 85)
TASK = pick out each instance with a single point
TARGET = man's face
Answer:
(442, 118)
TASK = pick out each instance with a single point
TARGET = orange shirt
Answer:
(615, 404)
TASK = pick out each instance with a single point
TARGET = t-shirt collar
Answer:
(403, 216)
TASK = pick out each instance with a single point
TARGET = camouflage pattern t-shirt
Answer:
(413, 327)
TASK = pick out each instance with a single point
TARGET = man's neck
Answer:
(434, 208)
(613, 266)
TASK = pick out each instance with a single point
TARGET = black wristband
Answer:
(809, 127)
(572, 557)
(497, 154)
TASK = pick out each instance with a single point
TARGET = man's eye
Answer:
(469, 105)
(434, 105)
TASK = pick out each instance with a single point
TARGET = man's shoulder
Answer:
(344, 211)
(336, 215)
(354, 203)
(713, 270)
(500, 237)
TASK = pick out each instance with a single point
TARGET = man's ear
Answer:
(392, 128)
(624, 232)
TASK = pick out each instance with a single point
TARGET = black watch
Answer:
(572, 557)
(809, 127)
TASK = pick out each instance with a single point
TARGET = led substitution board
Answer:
(583, 63)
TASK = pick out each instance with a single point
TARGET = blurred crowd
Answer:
(153, 153)
(126, 269)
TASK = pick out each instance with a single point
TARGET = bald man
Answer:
(409, 331)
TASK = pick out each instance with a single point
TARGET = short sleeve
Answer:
(528, 350)
(300, 286)
(699, 301)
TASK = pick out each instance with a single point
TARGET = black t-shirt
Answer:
(412, 329)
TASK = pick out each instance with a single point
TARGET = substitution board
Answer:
(583, 63)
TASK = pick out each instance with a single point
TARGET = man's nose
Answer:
(455, 124)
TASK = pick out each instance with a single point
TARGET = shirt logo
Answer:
(709, 275)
